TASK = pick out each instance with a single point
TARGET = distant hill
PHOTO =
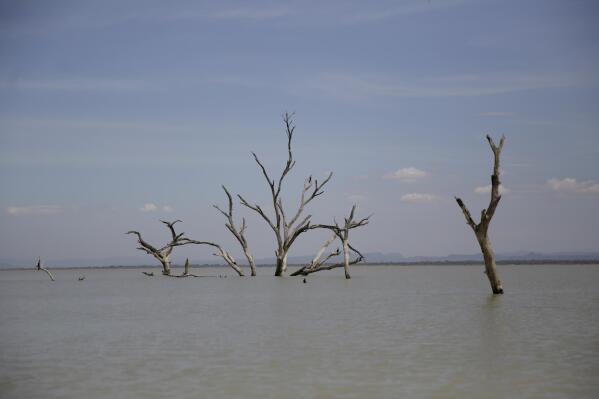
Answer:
(370, 257)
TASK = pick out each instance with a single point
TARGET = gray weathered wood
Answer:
(239, 234)
(162, 254)
(286, 230)
(343, 234)
(481, 229)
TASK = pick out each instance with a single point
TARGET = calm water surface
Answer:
(390, 332)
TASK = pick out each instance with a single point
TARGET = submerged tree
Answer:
(481, 229)
(40, 267)
(342, 233)
(163, 254)
(238, 233)
(286, 230)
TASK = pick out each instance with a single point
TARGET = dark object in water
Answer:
(150, 274)
(81, 278)
(305, 281)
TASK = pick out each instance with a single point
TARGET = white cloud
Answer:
(149, 207)
(417, 198)
(33, 210)
(571, 185)
(487, 189)
(407, 175)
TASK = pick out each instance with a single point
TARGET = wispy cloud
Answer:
(407, 175)
(571, 185)
(497, 114)
(487, 189)
(33, 210)
(83, 84)
(149, 207)
(250, 13)
(152, 207)
(359, 87)
(358, 15)
(419, 198)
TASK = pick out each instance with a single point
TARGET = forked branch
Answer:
(239, 234)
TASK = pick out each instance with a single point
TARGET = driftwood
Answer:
(40, 267)
(239, 234)
(342, 233)
(286, 230)
(481, 229)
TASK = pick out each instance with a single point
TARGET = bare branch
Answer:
(258, 210)
(238, 234)
(227, 257)
(467, 215)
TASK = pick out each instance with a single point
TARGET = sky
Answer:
(116, 114)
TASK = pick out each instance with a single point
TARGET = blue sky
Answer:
(115, 114)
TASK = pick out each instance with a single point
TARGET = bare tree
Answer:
(238, 233)
(227, 257)
(286, 230)
(343, 234)
(481, 229)
(162, 254)
(40, 267)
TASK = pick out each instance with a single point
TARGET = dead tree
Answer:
(40, 267)
(481, 229)
(341, 232)
(223, 253)
(238, 233)
(286, 230)
(162, 254)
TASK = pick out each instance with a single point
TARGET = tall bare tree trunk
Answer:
(166, 267)
(250, 259)
(186, 269)
(490, 267)
(346, 258)
(481, 229)
(281, 265)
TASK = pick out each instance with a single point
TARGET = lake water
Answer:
(390, 332)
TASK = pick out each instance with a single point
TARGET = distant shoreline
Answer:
(418, 263)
